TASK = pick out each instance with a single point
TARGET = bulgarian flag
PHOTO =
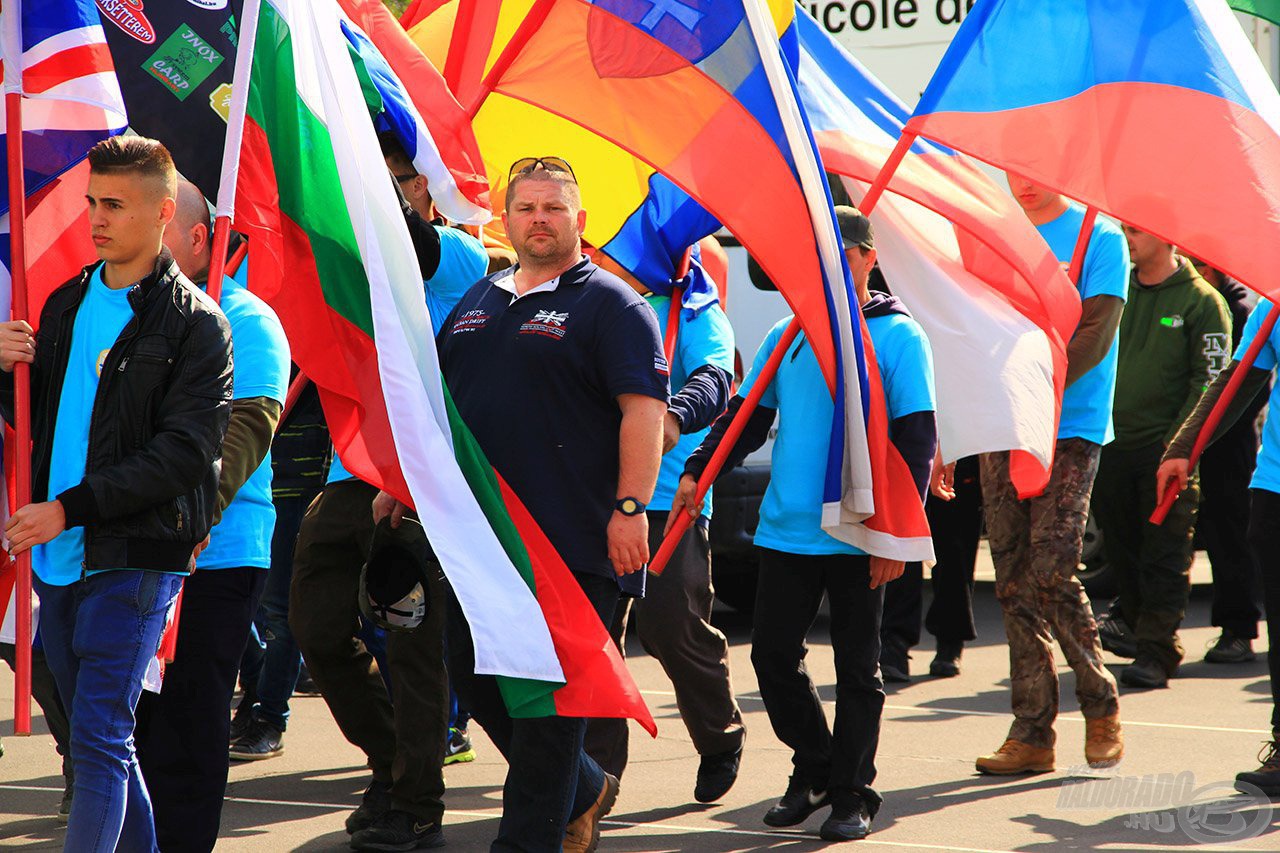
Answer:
(329, 251)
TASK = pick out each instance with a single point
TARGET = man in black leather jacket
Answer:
(130, 398)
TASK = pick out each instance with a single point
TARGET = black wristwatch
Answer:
(629, 506)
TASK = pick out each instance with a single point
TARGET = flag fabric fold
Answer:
(996, 305)
(443, 148)
(329, 250)
(1158, 114)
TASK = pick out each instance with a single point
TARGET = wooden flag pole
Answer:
(22, 412)
(1219, 409)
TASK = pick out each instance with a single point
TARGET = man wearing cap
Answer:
(557, 368)
(1035, 543)
(800, 563)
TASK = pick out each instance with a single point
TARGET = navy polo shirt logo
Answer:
(547, 323)
(470, 321)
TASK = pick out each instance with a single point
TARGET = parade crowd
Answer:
(165, 460)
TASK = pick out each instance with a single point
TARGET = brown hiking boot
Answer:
(583, 834)
(1016, 757)
(1103, 741)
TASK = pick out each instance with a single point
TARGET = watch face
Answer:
(629, 506)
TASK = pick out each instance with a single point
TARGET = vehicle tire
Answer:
(1095, 572)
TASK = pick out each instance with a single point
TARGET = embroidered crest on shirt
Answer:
(470, 321)
(660, 365)
(547, 323)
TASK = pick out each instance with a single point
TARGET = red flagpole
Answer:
(1219, 409)
(536, 17)
(22, 412)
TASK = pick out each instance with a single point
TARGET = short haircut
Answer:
(393, 150)
(562, 178)
(192, 209)
(144, 157)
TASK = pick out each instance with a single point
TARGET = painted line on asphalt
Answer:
(658, 825)
(961, 712)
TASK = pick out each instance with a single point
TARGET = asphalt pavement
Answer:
(1184, 746)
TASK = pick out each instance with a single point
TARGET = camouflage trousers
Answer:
(1035, 545)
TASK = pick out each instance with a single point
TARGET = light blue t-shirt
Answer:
(101, 318)
(1266, 475)
(706, 339)
(791, 512)
(463, 262)
(243, 536)
(1086, 403)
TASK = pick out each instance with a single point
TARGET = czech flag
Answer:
(701, 93)
(1157, 112)
(995, 303)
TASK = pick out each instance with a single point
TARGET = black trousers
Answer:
(1153, 563)
(674, 623)
(1225, 470)
(181, 734)
(956, 527)
(1264, 541)
(405, 742)
(790, 591)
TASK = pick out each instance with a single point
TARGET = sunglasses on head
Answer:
(525, 165)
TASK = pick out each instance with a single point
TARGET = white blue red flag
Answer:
(994, 302)
(1157, 112)
(400, 116)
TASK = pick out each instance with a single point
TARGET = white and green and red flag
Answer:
(329, 251)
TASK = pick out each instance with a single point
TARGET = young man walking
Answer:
(131, 393)
(1175, 337)
(800, 563)
(1035, 543)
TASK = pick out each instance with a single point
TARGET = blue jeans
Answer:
(277, 672)
(100, 634)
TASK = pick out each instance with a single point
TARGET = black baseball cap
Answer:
(855, 229)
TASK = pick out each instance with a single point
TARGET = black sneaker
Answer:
(260, 741)
(241, 720)
(1267, 777)
(946, 663)
(397, 830)
(849, 821)
(458, 748)
(1144, 672)
(800, 801)
(1116, 636)
(64, 808)
(1229, 648)
(895, 663)
(305, 686)
(376, 803)
(716, 775)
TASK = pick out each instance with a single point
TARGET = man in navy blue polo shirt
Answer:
(558, 369)
(800, 563)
